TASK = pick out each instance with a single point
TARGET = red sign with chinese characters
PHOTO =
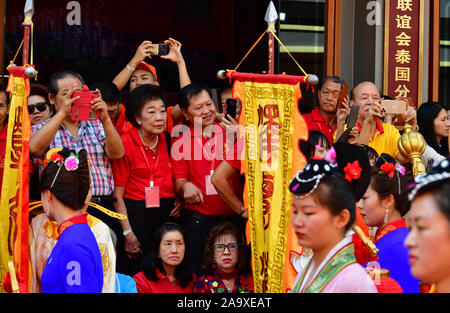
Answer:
(403, 59)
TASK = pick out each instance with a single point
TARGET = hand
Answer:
(375, 113)
(191, 194)
(175, 51)
(68, 101)
(410, 117)
(231, 127)
(353, 135)
(142, 52)
(178, 204)
(132, 246)
(343, 113)
(100, 106)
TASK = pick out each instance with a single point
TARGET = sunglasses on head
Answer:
(41, 106)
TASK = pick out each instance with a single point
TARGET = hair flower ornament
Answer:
(71, 163)
(388, 168)
(352, 171)
(331, 156)
(401, 169)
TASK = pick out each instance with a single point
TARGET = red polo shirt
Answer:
(3, 137)
(132, 171)
(235, 155)
(315, 121)
(196, 164)
(163, 285)
(122, 125)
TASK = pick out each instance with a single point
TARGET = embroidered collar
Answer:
(386, 229)
(78, 219)
(380, 128)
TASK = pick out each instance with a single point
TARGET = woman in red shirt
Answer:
(144, 189)
(166, 267)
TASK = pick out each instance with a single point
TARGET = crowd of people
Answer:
(168, 171)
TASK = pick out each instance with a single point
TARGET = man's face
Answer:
(201, 107)
(329, 95)
(114, 110)
(365, 95)
(3, 107)
(64, 86)
(142, 77)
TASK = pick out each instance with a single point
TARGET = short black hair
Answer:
(139, 97)
(110, 92)
(334, 79)
(53, 86)
(189, 91)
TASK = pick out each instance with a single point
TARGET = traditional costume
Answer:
(75, 264)
(213, 283)
(339, 272)
(43, 238)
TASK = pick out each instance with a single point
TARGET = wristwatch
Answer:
(129, 231)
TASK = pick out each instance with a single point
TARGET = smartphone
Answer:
(231, 107)
(82, 108)
(394, 106)
(159, 49)
(342, 95)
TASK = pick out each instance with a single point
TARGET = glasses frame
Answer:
(40, 106)
(226, 246)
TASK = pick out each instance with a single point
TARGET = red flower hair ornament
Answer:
(352, 171)
(388, 168)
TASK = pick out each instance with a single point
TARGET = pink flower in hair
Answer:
(401, 169)
(71, 163)
(331, 156)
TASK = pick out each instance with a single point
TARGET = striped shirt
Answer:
(91, 137)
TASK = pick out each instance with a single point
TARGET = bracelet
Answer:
(130, 68)
(129, 231)
(242, 211)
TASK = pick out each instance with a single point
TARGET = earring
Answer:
(386, 216)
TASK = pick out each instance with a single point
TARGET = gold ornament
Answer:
(411, 146)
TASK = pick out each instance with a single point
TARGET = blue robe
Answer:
(394, 257)
(75, 264)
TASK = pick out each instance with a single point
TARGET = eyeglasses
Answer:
(40, 106)
(220, 247)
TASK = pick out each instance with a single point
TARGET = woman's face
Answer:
(371, 208)
(37, 103)
(314, 224)
(153, 117)
(226, 252)
(442, 124)
(171, 248)
(428, 240)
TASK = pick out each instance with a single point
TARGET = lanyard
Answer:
(152, 173)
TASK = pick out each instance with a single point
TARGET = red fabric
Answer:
(379, 127)
(362, 253)
(315, 121)
(387, 285)
(386, 229)
(163, 285)
(169, 125)
(267, 78)
(23, 287)
(3, 136)
(133, 173)
(122, 125)
(195, 171)
(78, 219)
(235, 154)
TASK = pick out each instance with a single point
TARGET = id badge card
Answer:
(152, 197)
(210, 189)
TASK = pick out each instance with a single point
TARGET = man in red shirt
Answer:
(196, 153)
(323, 118)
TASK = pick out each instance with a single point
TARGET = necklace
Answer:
(152, 147)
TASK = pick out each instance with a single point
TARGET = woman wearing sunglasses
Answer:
(38, 105)
(225, 263)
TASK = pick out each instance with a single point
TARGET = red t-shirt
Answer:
(132, 171)
(315, 121)
(163, 285)
(194, 166)
(235, 156)
(122, 125)
(3, 137)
